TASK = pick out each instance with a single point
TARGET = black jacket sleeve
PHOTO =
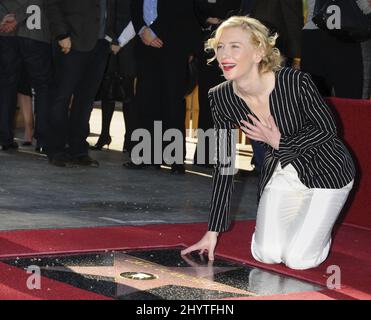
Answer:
(17, 7)
(58, 26)
(219, 217)
(137, 14)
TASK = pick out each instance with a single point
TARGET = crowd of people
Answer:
(59, 56)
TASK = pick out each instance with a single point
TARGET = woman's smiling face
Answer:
(236, 54)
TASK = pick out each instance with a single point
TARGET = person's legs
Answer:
(278, 207)
(25, 104)
(83, 100)
(129, 113)
(173, 110)
(36, 56)
(294, 223)
(10, 64)
(147, 100)
(310, 232)
(108, 107)
(106, 95)
(68, 73)
(126, 65)
(24, 99)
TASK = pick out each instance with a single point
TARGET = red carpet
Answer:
(350, 251)
(353, 121)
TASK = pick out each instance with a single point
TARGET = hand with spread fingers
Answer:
(66, 45)
(269, 133)
(207, 243)
(8, 24)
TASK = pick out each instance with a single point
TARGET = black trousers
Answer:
(75, 84)
(336, 67)
(160, 91)
(35, 56)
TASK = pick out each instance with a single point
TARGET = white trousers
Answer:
(294, 222)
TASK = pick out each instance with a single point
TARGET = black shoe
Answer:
(178, 168)
(27, 144)
(60, 160)
(11, 146)
(85, 161)
(102, 141)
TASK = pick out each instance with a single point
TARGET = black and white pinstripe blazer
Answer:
(309, 139)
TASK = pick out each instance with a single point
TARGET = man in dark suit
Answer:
(169, 35)
(80, 54)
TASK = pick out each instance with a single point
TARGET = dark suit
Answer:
(77, 73)
(76, 19)
(284, 17)
(162, 73)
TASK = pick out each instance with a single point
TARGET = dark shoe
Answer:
(85, 161)
(27, 144)
(178, 168)
(60, 160)
(102, 141)
(11, 146)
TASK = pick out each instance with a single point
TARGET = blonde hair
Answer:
(260, 37)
